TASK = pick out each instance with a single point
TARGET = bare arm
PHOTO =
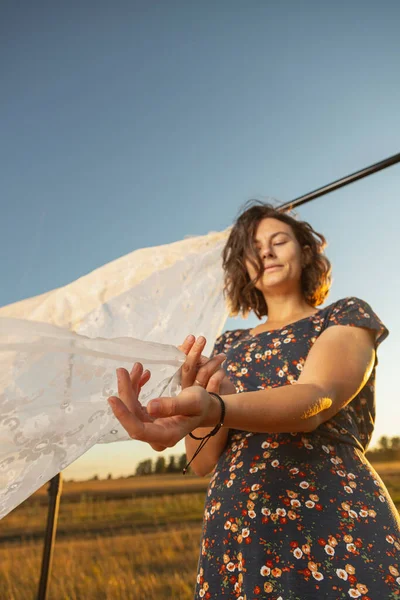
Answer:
(337, 368)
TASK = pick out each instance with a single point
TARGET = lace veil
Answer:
(59, 352)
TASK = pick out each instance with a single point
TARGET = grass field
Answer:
(134, 538)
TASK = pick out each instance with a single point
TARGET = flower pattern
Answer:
(299, 515)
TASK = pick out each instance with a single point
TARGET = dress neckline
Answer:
(319, 311)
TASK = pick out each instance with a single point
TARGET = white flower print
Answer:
(265, 571)
(342, 574)
(297, 553)
(304, 485)
(390, 539)
(329, 550)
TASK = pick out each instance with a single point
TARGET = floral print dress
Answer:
(296, 516)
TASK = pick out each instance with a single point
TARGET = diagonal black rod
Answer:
(331, 187)
(54, 490)
(55, 484)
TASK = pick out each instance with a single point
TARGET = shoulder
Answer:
(226, 339)
(348, 304)
(355, 312)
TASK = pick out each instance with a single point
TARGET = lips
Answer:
(271, 267)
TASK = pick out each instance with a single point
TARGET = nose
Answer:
(267, 251)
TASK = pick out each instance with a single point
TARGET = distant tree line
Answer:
(174, 464)
(387, 449)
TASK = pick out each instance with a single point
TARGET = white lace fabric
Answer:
(59, 352)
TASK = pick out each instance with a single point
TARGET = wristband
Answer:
(204, 440)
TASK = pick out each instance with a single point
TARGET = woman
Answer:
(294, 510)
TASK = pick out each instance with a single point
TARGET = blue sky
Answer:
(132, 124)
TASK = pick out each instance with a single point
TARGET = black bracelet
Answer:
(205, 439)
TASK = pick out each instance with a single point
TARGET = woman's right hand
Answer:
(207, 373)
(203, 371)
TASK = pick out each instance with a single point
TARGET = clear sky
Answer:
(128, 124)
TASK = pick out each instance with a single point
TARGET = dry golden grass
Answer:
(99, 515)
(128, 567)
(152, 483)
(387, 467)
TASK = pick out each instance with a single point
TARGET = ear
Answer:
(306, 252)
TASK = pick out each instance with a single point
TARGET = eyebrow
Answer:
(272, 236)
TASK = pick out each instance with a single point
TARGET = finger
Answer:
(187, 344)
(209, 368)
(128, 387)
(128, 420)
(215, 381)
(190, 366)
(135, 376)
(155, 434)
(144, 379)
(137, 385)
(188, 406)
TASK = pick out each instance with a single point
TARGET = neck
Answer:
(285, 308)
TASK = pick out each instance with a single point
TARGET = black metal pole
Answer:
(54, 490)
(383, 164)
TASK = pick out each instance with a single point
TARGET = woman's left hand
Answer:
(192, 408)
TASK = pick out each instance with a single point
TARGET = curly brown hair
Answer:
(239, 290)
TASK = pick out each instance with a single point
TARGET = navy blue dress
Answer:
(295, 516)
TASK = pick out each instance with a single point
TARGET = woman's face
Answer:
(280, 254)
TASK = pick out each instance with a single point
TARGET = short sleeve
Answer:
(357, 313)
(219, 345)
